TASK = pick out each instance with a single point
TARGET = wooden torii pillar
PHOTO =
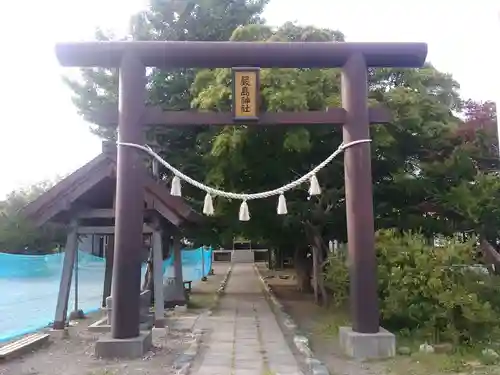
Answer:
(132, 115)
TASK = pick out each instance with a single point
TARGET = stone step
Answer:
(23, 346)
(243, 256)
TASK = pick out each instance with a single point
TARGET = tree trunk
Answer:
(316, 274)
(319, 249)
(303, 268)
(321, 281)
(279, 259)
(320, 294)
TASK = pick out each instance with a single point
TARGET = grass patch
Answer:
(432, 363)
(462, 360)
(329, 321)
(200, 301)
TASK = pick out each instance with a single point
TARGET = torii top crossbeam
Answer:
(231, 54)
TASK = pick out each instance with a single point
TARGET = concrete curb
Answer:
(183, 363)
(220, 291)
(301, 342)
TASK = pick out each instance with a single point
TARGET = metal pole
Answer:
(359, 198)
(126, 284)
(179, 277)
(203, 262)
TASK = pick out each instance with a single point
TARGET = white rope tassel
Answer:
(314, 189)
(244, 212)
(176, 187)
(282, 210)
(208, 205)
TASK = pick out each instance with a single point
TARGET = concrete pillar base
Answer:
(59, 333)
(135, 347)
(367, 345)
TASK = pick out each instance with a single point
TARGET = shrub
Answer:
(427, 289)
(337, 277)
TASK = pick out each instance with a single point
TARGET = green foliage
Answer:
(19, 198)
(336, 277)
(184, 147)
(426, 289)
(412, 157)
(16, 233)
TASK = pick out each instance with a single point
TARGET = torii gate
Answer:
(132, 115)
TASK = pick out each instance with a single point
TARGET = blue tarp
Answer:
(196, 263)
(29, 285)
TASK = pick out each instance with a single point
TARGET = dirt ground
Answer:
(317, 324)
(203, 292)
(75, 355)
(321, 326)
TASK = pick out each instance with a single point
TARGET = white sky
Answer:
(50, 139)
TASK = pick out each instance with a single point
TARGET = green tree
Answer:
(19, 235)
(173, 20)
(463, 175)
(244, 159)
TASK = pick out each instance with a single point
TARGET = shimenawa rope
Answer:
(244, 215)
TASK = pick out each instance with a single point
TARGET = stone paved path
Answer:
(245, 337)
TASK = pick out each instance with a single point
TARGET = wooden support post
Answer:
(108, 268)
(76, 313)
(96, 245)
(359, 200)
(66, 276)
(109, 249)
(158, 278)
(179, 280)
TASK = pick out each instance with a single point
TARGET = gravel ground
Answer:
(75, 355)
